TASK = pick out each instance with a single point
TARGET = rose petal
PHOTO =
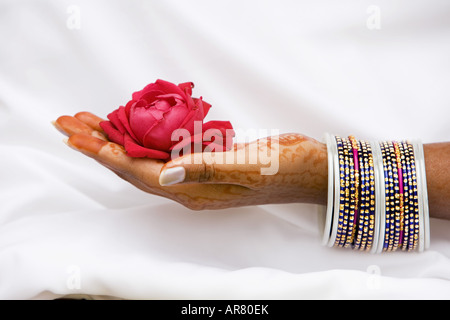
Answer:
(206, 107)
(172, 98)
(128, 107)
(113, 134)
(162, 105)
(215, 138)
(165, 87)
(141, 119)
(214, 124)
(168, 87)
(226, 130)
(159, 137)
(161, 86)
(184, 142)
(187, 87)
(148, 88)
(189, 122)
(221, 133)
(136, 151)
(157, 114)
(203, 105)
(151, 96)
(114, 118)
(126, 122)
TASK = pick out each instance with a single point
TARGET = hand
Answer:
(294, 171)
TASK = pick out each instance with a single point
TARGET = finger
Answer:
(87, 144)
(114, 157)
(109, 153)
(70, 125)
(90, 119)
(217, 167)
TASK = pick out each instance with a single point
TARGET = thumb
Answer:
(207, 167)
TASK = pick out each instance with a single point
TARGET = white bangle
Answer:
(422, 192)
(380, 199)
(330, 196)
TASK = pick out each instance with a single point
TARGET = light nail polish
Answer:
(172, 176)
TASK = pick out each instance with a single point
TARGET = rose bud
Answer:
(147, 124)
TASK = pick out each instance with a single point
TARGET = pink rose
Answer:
(146, 124)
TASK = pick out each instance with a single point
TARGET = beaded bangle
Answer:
(370, 197)
(416, 198)
(344, 173)
(378, 196)
(362, 219)
(395, 200)
(401, 193)
(350, 196)
(369, 207)
(389, 191)
(355, 197)
(405, 196)
(409, 199)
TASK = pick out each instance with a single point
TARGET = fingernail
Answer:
(58, 127)
(172, 176)
(67, 143)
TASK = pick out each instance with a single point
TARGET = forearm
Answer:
(437, 162)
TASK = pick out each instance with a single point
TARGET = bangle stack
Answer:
(377, 196)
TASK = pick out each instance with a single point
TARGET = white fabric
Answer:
(68, 226)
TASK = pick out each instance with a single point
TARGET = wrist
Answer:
(313, 170)
(303, 171)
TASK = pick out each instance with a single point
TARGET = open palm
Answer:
(301, 176)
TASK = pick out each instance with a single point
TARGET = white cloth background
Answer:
(69, 226)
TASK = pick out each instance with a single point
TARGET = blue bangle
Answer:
(363, 219)
(348, 193)
(389, 190)
(395, 235)
(414, 199)
(343, 179)
(406, 169)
